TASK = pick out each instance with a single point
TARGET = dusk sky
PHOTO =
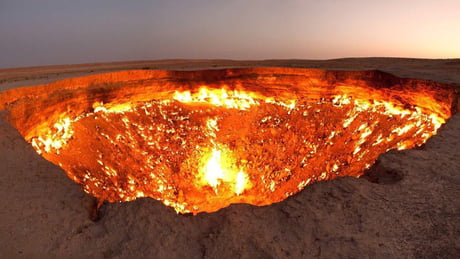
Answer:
(46, 32)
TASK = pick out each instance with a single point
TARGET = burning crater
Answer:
(201, 140)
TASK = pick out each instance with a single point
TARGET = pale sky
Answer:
(46, 32)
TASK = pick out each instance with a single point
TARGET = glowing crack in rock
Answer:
(199, 141)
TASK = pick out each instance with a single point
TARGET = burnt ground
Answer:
(407, 206)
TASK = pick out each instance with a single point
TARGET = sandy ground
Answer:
(413, 210)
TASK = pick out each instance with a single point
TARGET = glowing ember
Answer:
(201, 140)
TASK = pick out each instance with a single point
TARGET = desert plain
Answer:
(406, 206)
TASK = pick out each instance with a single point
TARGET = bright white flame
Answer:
(231, 99)
(54, 139)
(241, 182)
(213, 169)
(220, 168)
(218, 97)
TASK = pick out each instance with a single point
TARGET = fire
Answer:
(53, 139)
(117, 108)
(213, 171)
(219, 164)
(241, 100)
(251, 136)
(220, 168)
(218, 97)
(241, 182)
